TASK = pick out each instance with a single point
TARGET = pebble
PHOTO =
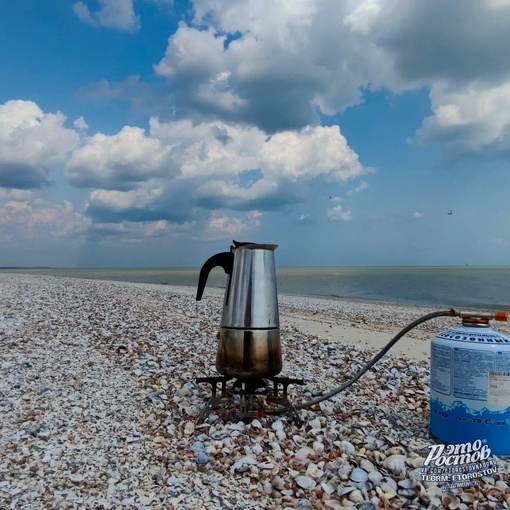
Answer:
(99, 406)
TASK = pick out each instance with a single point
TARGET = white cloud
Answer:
(15, 194)
(358, 189)
(286, 61)
(469, 118)
(418, 214)
(180, 165)
(116, 162)
(221, 226)
(36, 219)
(117, 14)
(31, 144)
(80, 124)
(338, 213)
(122, 200)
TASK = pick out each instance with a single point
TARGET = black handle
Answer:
(224, 259)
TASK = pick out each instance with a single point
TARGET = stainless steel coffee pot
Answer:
(249, 338)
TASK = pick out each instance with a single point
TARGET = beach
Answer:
(99, 405)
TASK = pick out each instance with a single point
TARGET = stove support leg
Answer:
(284, 400)
(215, 398)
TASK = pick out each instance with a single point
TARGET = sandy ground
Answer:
(370, 324)
(409, 346)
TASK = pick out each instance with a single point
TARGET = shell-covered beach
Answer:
(99, 405)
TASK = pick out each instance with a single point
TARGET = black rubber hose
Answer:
(371, 363)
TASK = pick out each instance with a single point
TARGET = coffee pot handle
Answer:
(224, 259)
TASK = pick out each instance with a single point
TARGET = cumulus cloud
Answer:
(31, 144)
(338, 213)
(80, 124)
(220, 226)
(470, 118)
(280, 65)
(180, 166)
(273, 66)
(116, 14)
(116, 162)
(358, 189)
(29, 218)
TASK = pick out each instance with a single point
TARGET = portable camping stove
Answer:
(248, 393)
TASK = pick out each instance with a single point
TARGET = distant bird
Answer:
(451, 211)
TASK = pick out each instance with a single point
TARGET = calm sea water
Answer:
(472, 286)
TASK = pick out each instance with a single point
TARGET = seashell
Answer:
(306, 482)
(449, 500)
(202, 459)
(331, 504)
(343, 469)
(396, 450)
(298, 440)
(398, 502)
(304, 453)
(278, 483)
(368, 506)
(468, 497)
(356, 497)
(358, 475)
(318, 446)
(386, 490)
(189, 428)
(407, 493)
(375, 477)
(329, 487)
(347, 447)
(315, 424)
(280, 434)
(366, 465)
(346, 489)
(435, 501)
(417, 462)
(331, 434)
(313, 470)
(434, 491)
(395, 463)
(495, 494)
(407, 483)
(277, 425)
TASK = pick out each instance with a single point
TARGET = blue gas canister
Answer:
(470, 385)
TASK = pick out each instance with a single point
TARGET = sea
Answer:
(479, 287)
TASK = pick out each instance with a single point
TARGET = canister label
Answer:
(470, 369)
(499, 389)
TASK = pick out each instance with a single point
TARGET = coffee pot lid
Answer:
(253, 246)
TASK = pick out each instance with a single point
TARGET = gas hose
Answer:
(371, 363)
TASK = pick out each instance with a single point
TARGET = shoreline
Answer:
(112, 275)
(100, 405)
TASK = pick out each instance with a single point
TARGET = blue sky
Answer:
(153, 132)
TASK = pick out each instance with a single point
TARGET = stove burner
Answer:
(248, 391)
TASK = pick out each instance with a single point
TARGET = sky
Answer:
(151, 133)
